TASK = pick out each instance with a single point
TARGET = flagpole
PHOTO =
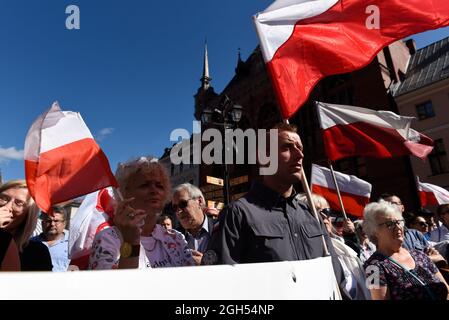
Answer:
(338, 190)
(119, 194)
(306, 188)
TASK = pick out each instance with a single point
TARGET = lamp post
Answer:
(226, 116)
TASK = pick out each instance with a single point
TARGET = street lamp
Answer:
(226, 116)
(236, 113)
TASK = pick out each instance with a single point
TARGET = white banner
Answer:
(298, 280)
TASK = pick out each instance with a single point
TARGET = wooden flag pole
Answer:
(306, 188)
(305, 185)
(119, 194)
(338, 190)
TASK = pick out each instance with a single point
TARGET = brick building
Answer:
(370, 87)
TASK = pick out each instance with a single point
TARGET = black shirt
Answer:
(5, 240)
(35, 257)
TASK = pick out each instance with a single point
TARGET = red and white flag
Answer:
(430, 194)
(303, 41)
(352, 131)
(355, 192)
(62, 159)
(95, 213)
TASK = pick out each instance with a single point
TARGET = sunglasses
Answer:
(326, 212)
(423, 224)
(393, 223)
(182, 204)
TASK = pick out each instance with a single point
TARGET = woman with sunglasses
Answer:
(354, 281)
(137, 240)
(393, 272)
(18, 216)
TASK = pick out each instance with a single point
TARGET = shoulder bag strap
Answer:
(429, 292)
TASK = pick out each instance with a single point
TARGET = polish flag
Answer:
(430, 194)
(303, 41)
(62, 160)
(95, 214)
(355, 192)
(352, 131)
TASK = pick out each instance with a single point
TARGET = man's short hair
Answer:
(282, 126)
(193, 191)
(386, 195)
(57, 209)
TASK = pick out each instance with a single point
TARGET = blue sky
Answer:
(131, 70)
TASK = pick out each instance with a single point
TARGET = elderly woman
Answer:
(354, 282)
(136, 240)
(18, 216)
(392, 271)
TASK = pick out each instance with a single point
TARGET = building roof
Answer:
(426, 66)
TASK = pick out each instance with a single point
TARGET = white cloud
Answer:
(11, 153)
(103, 133)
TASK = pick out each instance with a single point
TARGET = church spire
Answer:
(205, 79)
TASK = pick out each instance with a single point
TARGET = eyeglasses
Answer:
(17, 204)
(326, 212)
(50, 221)
(393, 223)
(182, 204)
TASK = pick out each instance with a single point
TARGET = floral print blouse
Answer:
(164, 248)
(403, 286)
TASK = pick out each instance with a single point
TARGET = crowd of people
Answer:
(389, 254)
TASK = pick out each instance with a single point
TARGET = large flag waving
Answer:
(430, 194)
(95, 214)
(352, 131)
(355, 192)
(303, 41)
(62, 160)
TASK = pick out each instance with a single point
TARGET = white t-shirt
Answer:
(164, 248)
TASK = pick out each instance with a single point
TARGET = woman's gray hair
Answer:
(145, 165)
(193, 191)
(25, 230)
(371, 214)
(318, 200)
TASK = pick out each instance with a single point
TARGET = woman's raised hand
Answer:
(129, 220)
(5, 216)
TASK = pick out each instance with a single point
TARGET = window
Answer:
(438, 158)
(425, 110)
